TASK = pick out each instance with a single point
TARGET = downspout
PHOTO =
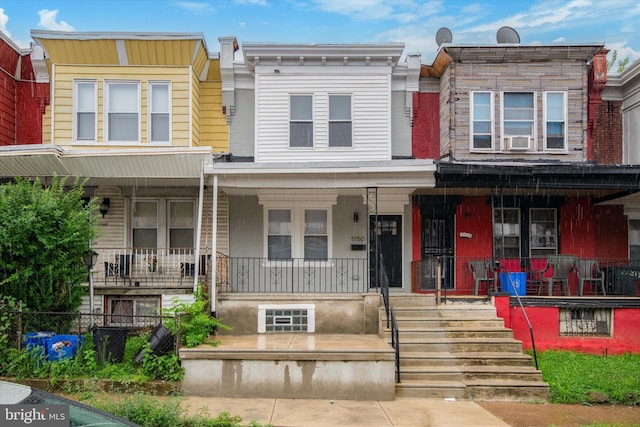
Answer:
(196, 271)
(214, 245)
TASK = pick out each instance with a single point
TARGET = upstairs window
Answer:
(85, 110)
(301, 121)
(555, 121)
(159, 111)
(123, 111)
(340, 121)
(518, 120)
(481, 121)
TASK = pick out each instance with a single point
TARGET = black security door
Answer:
(388, 232)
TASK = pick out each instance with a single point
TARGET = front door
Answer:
(388, 232)
(437, 244)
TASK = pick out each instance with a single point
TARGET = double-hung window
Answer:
(123, 111)
(518, 120)
(85, 110)
(301, 121)
(159, 111)
(340, 121)
(145, 224)
(148, 217)
(181, 224)
(555, 113)
(543, 231)
(506, 232)
(634, 239)
(481, 121)
(298, 233)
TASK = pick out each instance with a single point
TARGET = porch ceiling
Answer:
(324, 175)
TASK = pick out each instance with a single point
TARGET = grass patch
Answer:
(580, 378)
(147, 411)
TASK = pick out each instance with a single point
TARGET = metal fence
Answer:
(60, 334)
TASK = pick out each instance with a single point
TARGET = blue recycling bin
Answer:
(61, 347)
(519, 283)
(33, 340)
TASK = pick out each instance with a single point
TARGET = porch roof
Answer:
(112, 166)
(538, 175)
(404, 173)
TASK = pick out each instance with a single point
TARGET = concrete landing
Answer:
(300, 366)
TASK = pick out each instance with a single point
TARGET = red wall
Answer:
(611, 232)
(577, 231)
(425, 135)
(546, 324)
(473, 216)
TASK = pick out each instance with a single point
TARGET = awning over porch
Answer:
(406, 173)
(119, 167)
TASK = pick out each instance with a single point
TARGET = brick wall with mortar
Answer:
(607, 135)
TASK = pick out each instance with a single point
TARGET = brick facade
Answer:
(607, 133)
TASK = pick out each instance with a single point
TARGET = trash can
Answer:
(161, 342)
(61, 347)
(109, 343)
(519, 283)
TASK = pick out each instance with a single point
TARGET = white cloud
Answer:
(403, 11)
(3, 22)
(198, 8)
(48, 21)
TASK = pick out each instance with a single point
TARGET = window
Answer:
(122, 111)
(481, 120)
(85, 106)
(543, 232)
(131, 310)
(279, 238)
(301, 121)
(298, 233)
(145, 224)
(340, 121)
(585, 321)
(506, 232)
(555, 121)
(148, 217)
(315, 234)
(181, 224)
(159, 111)
(518, 120)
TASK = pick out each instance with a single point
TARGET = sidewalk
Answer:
(405, 412)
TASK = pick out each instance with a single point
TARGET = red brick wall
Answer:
(607, 134)
(32, 99)
(425, 137)
(7, 109)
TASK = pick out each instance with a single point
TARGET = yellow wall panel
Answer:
(215, 132)
(95, 52)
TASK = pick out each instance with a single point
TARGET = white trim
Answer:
(565, 119)
(491, 120)
(52, 103)
(122, 52)
(191, 106)
(262, 314)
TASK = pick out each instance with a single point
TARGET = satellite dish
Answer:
(507, 35)
(443, 36)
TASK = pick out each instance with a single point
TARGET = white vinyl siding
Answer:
(371, 117)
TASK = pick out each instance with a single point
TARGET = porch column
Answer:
(196, 269)
(214, 246)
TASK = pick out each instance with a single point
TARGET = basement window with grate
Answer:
(286, 318)
(586, 321)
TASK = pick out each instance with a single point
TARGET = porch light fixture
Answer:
(104, 206)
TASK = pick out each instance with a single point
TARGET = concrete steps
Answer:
(461, 351)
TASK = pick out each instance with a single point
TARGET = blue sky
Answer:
(612, 22)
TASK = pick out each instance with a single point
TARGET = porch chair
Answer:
(589, 271)
(481, 273)
(561, 267)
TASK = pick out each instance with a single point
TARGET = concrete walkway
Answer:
(405, 412)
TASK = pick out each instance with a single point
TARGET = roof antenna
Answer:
(507, 35)
(443, 36)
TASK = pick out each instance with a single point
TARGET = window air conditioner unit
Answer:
(517, 142)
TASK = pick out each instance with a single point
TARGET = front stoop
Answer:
(461, 351)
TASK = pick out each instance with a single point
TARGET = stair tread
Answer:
(455, 340)
(465, 354)
(505, 382)
(434, 384)
(470, 368)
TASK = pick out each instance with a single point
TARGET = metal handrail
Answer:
(524, 312)
(395, 342)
